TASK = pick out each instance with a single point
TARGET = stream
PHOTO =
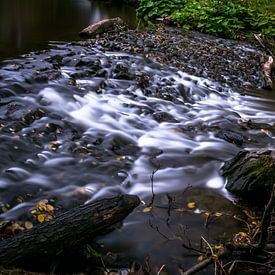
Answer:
(75, 127)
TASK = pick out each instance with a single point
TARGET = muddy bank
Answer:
(232, 63)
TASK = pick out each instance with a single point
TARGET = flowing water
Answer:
(75, 128)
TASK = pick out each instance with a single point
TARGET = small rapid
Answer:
(113, 130)
(81, 123)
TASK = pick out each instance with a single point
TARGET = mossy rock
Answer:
(251, 175)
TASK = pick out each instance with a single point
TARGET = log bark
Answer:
(41, 245)
(102, 27)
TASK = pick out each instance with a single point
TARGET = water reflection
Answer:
(27, 25)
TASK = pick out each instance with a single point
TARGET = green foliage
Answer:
(218, 17)
(150, 9)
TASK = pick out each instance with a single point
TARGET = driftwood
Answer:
(268, 66)
(102, 27)
(41, 246)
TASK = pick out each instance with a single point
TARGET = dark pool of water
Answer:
(27, 25)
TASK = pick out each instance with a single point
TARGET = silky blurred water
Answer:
(79, 123)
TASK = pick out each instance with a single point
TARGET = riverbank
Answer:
(232, 63)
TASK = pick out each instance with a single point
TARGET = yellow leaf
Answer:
(42, 202)
(48, 218)
(191, 205)
(19, 200)
(28, 225)
(41, 218)
(218, 214)
(41, 207)
(147, 209)
(218, 246)
(201, 258)
(49, 208)
(242, 234)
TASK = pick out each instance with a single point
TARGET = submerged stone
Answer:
(251, 175)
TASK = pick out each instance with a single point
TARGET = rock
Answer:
(251, 175)
(103, 26)
(231, 137)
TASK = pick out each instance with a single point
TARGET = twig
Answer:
(247, 262)
(155, 227)
(201, 265)
(152, 185)
(212, 253)
(260, 40)
(208, 244)
(192, 248)
(170, 200)
(161, 269)
(147, 264)
(266, 220)
(231, 267)
(194, 269)
(207, 220)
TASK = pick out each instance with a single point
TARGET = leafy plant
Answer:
(218, 17)
(149, 9)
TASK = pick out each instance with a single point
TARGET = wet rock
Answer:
(229, 62)
(163, 117)
(121, 71)
(251, 175)
(103, 26)
(231, 137)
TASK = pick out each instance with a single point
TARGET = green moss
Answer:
(261, 175)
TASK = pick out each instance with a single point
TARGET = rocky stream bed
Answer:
(137, 112)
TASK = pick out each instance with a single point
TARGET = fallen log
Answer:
(40, 246)
(103, 26)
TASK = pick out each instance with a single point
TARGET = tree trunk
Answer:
(41, 245)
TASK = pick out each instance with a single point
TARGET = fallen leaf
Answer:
(191, 205)
(218, 246)
(146, 209)
(42, 202)
(41, 218)
(49, 208)
(218, 214)
(28, 225)
(242, 234)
